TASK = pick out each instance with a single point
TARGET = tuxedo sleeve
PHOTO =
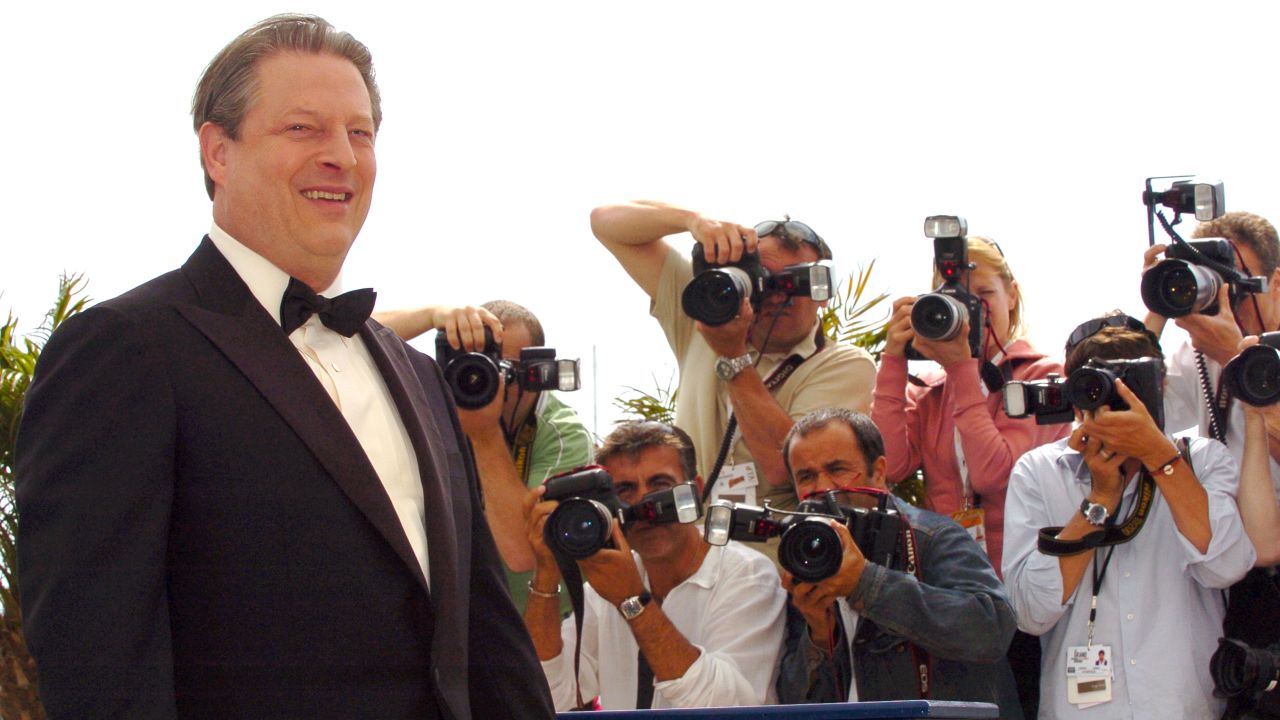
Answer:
(95, 481)
(505, 679)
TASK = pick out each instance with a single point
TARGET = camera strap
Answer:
(1110, 534)
(923, 660)
(771, 383)
(573, 582)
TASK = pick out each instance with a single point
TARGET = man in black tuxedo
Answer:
(238, 499)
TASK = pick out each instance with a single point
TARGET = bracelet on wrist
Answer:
(538, 593)
(1166, 468)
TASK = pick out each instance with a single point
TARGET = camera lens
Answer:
(1253, 376)
(714, 296)
(473, 378)
(810, 550)
(938, 317)
(1238, 669)
(578, 528)
(1090, 388)
(1174, 288)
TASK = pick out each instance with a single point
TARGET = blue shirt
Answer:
(1160, 608)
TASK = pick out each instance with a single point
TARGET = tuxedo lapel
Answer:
(228, 315)
(420, 423)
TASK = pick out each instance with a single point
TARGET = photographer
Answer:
(955, 427)
(1194, 369)
(704, 622)
(1116, 540)
(869, 632)
(521, 438)
(722, 372)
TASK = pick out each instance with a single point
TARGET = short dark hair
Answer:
(870, 442)
(632, 436)
(1112, 343)
(511, 314)
(229, 85)
(1252, 231)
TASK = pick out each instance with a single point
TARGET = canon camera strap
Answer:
(1110, 534)
(771, 383)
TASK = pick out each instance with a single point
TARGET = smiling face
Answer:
(634, 476)
(296, 186)
(791, 322)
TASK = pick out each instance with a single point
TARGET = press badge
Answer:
(973, 520)
(737, 483)
(1088, 675)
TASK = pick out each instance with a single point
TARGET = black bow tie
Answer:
(344, 314)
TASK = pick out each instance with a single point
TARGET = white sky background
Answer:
(506, 122)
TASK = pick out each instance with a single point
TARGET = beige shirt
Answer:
(840, 375)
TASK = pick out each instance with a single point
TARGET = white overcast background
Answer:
(506, 122)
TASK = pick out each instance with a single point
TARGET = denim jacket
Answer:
(957, 613)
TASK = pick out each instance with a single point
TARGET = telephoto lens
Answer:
(578, 528)
(936, 316)
(1176, 288)
(810, 550)
(715, 296)
(1253, 376)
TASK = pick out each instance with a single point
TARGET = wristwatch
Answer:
(1095, 513)
(728, 368)
(634, 605)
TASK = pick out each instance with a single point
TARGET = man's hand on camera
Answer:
(946, 352)
(899, 332)
(1104, 467)
(612, 571)
(1129, 433)
(1152, 256)
(1217, 336)
(730, 339)
(723, 242)
(485, 422)
(536, 511)
(852, 562)
(464, 326)
(816, 603)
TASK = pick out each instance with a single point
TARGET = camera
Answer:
(1239, 670)
(1188, 279)
(941, 314)
(716, 292)
(1253, 376)
(580, 525)
(473, 377)
(810, 550)
(1088, 388)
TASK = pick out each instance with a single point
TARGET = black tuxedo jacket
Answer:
(201, 534)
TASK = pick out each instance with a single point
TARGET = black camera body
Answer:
(1253, 376)
(473, 377)
(716, 291)
(1088, 387)
(582, 524)
(1188, 279)
(810, 550)
(941, 314)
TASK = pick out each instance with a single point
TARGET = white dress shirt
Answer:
(732, 609)
(346, 370)
(1160, 607)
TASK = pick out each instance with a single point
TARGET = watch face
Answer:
(725, 370)
(1096, 514)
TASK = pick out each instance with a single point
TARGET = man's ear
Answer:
(214, 142)
(877, 473)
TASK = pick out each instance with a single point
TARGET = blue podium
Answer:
(830, 711)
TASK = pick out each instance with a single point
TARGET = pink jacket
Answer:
(919, 424)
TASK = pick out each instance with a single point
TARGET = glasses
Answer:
(1088, 329)
(797, 230)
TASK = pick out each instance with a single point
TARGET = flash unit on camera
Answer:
(567, 374)
(1205, 199)
(945, 226)
(719, 521)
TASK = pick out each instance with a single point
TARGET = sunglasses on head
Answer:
(1088, 329)
(797, 230)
